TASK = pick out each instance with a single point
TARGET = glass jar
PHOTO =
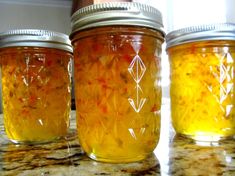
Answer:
(117, 48)
(35, 84)
(202, 81)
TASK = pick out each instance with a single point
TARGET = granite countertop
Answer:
(174, 155)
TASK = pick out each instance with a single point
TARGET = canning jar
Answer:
(202, 81)
(117, 48)
(35, 84)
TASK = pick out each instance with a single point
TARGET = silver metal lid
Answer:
(35, 38)
(221, 31)
(117, 13)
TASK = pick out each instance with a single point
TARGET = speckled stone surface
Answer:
(173, 156)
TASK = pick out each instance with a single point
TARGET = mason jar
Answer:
(35, 84)
(117, 49)
(202, 81)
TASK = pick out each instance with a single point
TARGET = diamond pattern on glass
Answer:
(137, 106)
(34, 68)
(137, 70)
(224, 75)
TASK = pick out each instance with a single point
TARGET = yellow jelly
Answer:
(202, 89)
(117, 49)
(36, 89)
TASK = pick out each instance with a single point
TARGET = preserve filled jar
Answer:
(35, 84)
(117, 48)
(202, 81)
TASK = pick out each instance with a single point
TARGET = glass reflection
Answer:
(65, 157)
(37, 159)
(187, 157)
(149, 166)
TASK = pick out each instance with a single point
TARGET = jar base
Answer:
(207, 138)
(117, 159)
(35, 142)
(72, 134)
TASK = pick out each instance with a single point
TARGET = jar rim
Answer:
(117, 13)
(35, 38)
(219, 31)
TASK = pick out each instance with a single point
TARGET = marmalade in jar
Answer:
(118, 92)
(202, 89)
(36, 93)
(117, 49)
